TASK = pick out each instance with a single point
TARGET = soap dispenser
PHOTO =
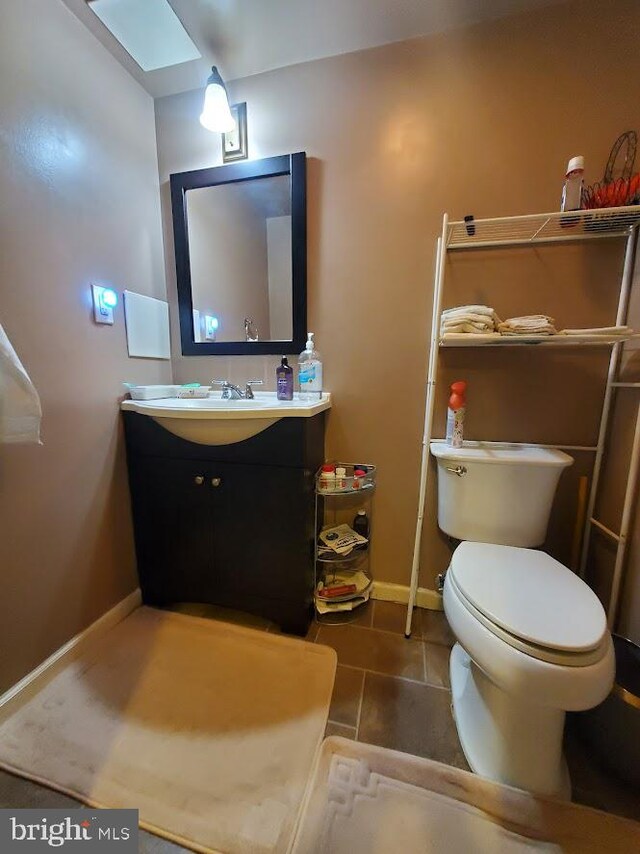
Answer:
(284, 380)
(310, 372)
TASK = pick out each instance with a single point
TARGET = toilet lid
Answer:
(530, 595)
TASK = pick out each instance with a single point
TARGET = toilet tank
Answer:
(502, 495)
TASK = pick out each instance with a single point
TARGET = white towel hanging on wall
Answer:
(20, 410)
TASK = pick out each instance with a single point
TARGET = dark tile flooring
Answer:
(384, 695)
(389, 691)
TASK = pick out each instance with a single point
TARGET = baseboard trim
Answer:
(45, 671)
(400, 593)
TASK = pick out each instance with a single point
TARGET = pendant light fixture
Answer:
(216, 115)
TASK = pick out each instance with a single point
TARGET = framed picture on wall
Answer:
(234, 143)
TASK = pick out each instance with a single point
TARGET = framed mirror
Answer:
(240, 234)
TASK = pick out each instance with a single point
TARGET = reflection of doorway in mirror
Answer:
(279, 277)
(234, 143)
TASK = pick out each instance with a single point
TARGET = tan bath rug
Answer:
(208, 729)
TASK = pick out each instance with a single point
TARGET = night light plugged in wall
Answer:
(104, 301)
(210, 327)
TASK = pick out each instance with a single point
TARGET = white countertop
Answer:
(265, 405)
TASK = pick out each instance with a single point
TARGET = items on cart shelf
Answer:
(573, 184)
(620, 185)
(327, 600)
(361, 523)
(333, 591)
(343, 578)
(530, 324)
(337, 477)
(475, 320)
(341, 539)
(472, 319)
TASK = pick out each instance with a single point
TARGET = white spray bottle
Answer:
(455, 414)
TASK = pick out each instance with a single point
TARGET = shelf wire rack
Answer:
(337, 506)
(542, 228)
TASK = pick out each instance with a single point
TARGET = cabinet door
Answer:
(263, 533)
(174, 537)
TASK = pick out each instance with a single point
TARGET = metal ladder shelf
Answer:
(621, 538)
(532, 230)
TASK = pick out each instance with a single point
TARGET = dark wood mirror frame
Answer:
(286, 164)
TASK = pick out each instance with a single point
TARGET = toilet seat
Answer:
(542, 653)
(531, 602)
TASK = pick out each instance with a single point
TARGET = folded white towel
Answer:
(20, 410)
(599, 330)
(470, 328)
(484, 336)
(530, 324)
(469, 309)
(480, 319)
(470, 319)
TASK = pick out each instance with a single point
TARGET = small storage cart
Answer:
(344, 501)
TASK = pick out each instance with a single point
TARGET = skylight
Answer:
(149, 30)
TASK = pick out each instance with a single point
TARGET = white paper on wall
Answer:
(147, 321)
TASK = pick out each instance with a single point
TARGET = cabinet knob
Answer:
(198, 480)
(216, 481)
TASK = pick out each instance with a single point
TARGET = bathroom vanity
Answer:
(230, 523)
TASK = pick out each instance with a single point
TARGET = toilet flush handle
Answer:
(460, 471)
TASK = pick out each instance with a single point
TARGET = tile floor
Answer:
(395, 692)
(390, 691)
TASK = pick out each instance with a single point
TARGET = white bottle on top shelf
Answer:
(310, 371)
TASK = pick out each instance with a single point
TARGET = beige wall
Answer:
(480, 120)
(78, 203)
(228, 257)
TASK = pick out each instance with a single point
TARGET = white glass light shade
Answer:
(216, 115)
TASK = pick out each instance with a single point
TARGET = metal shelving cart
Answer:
(338, 506)
(533, 230)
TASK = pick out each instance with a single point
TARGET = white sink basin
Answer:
(209, 403)
(213, 421)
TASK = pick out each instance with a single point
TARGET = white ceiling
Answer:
(244, 37)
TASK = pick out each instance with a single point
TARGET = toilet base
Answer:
(504, 738)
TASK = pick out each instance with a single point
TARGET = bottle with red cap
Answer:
(455, 414)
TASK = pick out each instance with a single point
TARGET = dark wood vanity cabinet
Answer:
(230, 525)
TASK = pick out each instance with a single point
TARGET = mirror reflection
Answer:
(240, 254)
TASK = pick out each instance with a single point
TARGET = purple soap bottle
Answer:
(284, 380)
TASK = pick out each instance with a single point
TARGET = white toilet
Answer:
(532, 637)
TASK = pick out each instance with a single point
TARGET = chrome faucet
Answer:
(230, 391)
